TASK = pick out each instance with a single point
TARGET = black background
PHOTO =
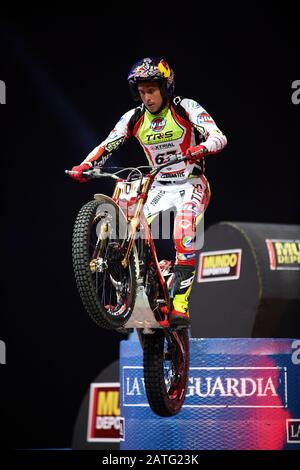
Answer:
(66, 89)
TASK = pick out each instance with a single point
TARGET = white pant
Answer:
(189, 201)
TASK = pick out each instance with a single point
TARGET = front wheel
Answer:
(106, 288)
(166, 368)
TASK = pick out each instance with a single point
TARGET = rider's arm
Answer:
(213, 138)
(116, 138)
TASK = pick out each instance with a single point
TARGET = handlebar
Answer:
(98, 173)
(94, 173)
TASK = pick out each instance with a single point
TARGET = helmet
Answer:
(151, 69)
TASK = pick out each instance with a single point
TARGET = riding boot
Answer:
(180, 293)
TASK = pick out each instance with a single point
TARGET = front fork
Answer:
(134, 224)
(134, 221)
(100, 246)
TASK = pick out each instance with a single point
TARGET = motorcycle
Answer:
(123, 286)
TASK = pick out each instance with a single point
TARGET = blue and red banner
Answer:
(243, 394)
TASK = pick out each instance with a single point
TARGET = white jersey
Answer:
(182, 123)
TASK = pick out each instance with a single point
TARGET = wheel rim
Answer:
(175, 367)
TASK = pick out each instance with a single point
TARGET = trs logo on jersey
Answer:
(158, 124)
(105, 423)
(161, 136)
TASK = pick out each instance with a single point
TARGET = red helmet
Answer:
(152, 69)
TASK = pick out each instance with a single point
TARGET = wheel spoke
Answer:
(165, 386)
(94, 282)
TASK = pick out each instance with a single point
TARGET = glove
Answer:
(196, 153)
(80, 168)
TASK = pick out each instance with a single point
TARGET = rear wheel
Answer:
(106, 288)
(166, 368)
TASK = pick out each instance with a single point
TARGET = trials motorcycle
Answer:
(123, 286)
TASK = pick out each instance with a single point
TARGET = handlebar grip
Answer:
(176, 158)
(72, 172)
(172, 159)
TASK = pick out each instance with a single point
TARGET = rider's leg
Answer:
(189, 214)
(184, 270)
(159, 201)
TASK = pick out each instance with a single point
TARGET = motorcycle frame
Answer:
(134, 222)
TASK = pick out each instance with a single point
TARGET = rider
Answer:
(166, 124)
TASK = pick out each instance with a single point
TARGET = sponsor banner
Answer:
(242, 394)
(293, 431)
(218, 387)
(283, 254)
(220, 265)
(104, 422)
